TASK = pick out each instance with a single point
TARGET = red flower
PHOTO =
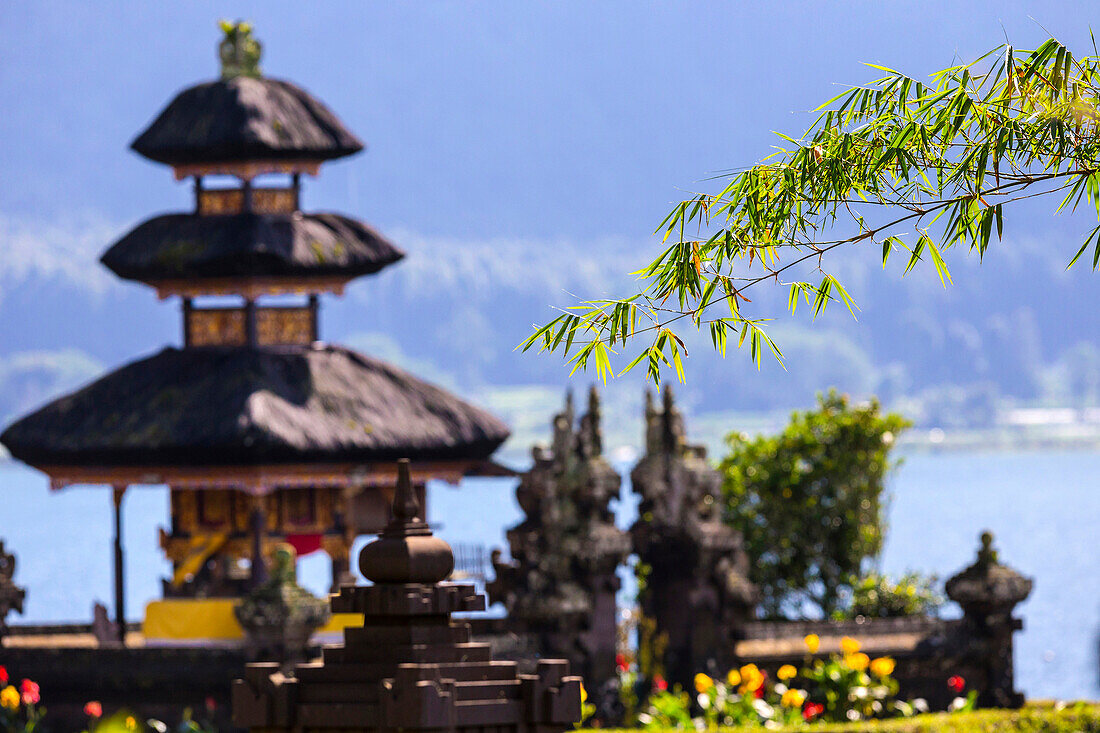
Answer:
(3, 675)
(93, 709)
(659, 683)
(620, 662)
(30, 692)
(812, 710)
(760, 692)
(211, 703)
(956, 683)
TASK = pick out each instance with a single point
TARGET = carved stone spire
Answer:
(406, 551)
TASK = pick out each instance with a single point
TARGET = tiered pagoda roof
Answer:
(185, 246)
(228, 406)
(245, 118)
(253, 384)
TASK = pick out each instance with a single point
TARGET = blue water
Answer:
(1043, 507)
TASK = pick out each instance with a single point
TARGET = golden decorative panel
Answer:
(226, 326)
(284, 326)
(217, 201)
(274, 201)
(221, 201)
(216, 327)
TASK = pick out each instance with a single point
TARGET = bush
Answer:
(877, 596)
(809, 502)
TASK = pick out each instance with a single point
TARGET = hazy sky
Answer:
(555, 133)
(532, 119)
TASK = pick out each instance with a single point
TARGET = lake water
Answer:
(1043, 507)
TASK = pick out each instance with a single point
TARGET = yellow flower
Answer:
(849, 645)
(882, 667)
(787, 672)
(733, 679)
(858, 661)
(813, 643)
(131, 724)
(584, 694)
(703, 683)
(793, 699)
(751, 679)
(9, 698)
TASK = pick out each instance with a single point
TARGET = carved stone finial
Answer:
(590, 438)
(11, 595)
(239, 52)
(405, 506)
(987, 586)
(406, 552)
(279, 616)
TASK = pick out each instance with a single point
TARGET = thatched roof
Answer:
(190, 246)
(245, 118)
(234, 406)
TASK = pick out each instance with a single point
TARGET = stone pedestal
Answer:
(411, 666)
(988, 591)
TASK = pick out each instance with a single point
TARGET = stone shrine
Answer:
(696, 588)
(410, 665)
(987, 591)
(560, 585)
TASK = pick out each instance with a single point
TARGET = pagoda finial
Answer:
(239, 52)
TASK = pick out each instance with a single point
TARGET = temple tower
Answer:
(263, 432)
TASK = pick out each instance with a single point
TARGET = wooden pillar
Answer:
(258, 526)
(296, 182)
(246, 189)
(198, 194)
(187, 308)
(250, 333)
(120, 585)
(314, 320)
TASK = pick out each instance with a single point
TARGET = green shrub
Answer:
(809, 502)
(878, 596)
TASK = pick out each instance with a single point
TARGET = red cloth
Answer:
(304, 544)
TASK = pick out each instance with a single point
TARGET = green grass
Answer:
(1038, 717)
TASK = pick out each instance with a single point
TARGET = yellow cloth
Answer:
(211, 619)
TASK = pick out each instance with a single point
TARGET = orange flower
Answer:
(849, 645)
(787, 672)
(882, 667)
(9, 698)
(793, 699)
(858, 661)
(93, 709)
(752, 679)
(703, 683)
(813, 643)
